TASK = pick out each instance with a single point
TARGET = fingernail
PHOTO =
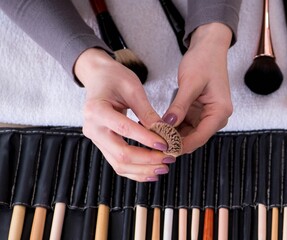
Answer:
(160, 171)
(160, 146)
(168, 160)
(152, 179)
(170, 118)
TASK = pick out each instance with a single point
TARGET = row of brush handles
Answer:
(263, 76)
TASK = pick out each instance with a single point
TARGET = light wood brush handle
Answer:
(17, 222)
(156, 224)
(284, 234)
(262, 221)
(275, 223)
(195, 223)
(182, 223)
(58, 220)
(38, 225)
(140, 223)
(102, 222)
(265, 47)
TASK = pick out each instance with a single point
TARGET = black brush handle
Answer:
(285, 9)
(176, 21)
(109, 32)
(106, 183)
(108, 29)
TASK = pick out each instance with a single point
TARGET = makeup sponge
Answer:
(170, 135)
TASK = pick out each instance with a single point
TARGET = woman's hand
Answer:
(202, 105)
(111, 90)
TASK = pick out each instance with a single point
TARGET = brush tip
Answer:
(263, 76)
(130, 60)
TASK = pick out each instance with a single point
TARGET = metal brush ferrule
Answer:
(265, 44)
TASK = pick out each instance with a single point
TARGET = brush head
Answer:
(170, 135)
(263, 76)
(131, 61)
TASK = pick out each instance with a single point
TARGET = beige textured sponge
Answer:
(170, 135)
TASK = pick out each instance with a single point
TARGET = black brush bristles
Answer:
(113, 38)
(263, 76)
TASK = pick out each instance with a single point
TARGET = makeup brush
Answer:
(113, 38)
(285, 9)
(176, 22)
(264, 75)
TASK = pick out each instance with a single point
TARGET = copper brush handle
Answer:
(108, 29)
(265, 44)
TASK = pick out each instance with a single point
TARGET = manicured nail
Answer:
(152, 179)
(170, 118)
(160, 146)
(168, 160)
(160, 171)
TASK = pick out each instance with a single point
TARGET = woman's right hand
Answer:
(111, 89)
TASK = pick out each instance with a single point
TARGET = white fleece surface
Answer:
(35, 90)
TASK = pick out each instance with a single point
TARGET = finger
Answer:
(183, 99)
(134, 162)
(142, 178)
(142, 108)
(201, 134)
(122, 125)
(130, 154)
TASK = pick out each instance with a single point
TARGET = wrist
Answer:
(215, 33)
(92, 58)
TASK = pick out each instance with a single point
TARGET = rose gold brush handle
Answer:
(265, 44)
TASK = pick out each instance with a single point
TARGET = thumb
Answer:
(183, 97)
(144, 111)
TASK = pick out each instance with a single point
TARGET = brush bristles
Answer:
(263, 76)
(130, 60)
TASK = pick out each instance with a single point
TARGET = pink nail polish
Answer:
(170, 118)
(160, 146)
(152, 179)
(160, 171)
(168, 160)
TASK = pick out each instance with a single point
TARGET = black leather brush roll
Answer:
(42, 166)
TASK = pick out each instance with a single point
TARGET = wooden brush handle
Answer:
(99, 6)
(17, 222)
(102, 223)
(38, 225)
(265, 44)
(156, 224)
(208, 224)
